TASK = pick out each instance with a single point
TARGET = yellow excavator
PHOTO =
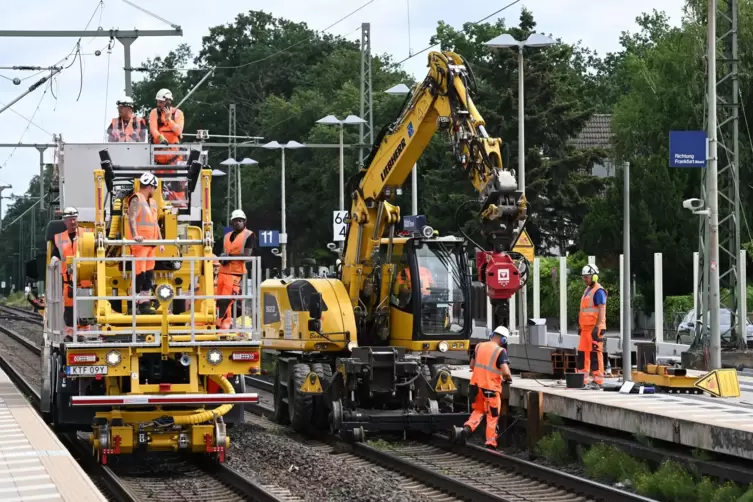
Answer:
(363, 353)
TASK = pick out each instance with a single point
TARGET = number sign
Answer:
(339, 225)
(269, 238)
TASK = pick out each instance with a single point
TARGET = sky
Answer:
(81, 108)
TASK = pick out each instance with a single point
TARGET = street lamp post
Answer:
(508, 41)
(274, 145)
(349, 120)
(402, 90)
(232, 162)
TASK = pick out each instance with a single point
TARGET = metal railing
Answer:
(192, 334)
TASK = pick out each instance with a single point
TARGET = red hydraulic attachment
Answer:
(499, 273)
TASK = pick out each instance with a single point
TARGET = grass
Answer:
(670, 482)
(17, 299)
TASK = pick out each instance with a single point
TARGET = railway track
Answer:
(20, 314)
(443, 470)
(165, 478)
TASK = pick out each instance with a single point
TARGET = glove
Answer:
(164, 142)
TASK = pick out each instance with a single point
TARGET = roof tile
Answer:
(597, 133)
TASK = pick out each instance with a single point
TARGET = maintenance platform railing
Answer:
(146, 329)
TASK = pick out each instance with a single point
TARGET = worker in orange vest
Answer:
(176, 194)
(490, 366)
(238, 242)
(127, 128)
(143, 225)
(66, 243)
(166, 127)
(592, 320)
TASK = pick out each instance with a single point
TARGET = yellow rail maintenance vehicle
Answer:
(143, 382)
(363, 352)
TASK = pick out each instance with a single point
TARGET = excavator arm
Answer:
(442, 102)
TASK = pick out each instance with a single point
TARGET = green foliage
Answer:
(609, 464)
(678, 304)
(554, 448)
(670, 483)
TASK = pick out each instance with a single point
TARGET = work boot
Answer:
(490, 446)
(145, 308)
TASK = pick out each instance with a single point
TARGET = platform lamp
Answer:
(349, 120)
(403, 90)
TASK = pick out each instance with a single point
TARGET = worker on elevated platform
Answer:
(592, 320)
(490, 366)
(143, 225)
(65, 247)
(238, 242)
(127, 128)
(166, 127)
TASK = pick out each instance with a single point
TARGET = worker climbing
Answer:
(127, 127)
(238, 242)
(65, 246)
(143, 225)
(490, 366)
(593, 324)
(166, 127)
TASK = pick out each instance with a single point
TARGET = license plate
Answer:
(85, 370)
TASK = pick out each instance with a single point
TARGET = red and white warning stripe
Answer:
(157, 399)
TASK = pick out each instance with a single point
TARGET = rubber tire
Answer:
(446, 401)
(300, 406)
(321, 413)
(281, 408)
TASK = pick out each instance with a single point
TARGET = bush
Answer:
(554, 448)
(670, 483)
(608, 464)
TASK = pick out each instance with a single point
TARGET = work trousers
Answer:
(487, 404)
(142, 266)
(590, 354)
(227, 284)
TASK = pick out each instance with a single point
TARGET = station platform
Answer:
(34, 464)
(721, 425)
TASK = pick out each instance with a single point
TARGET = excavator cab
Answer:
(429, 292)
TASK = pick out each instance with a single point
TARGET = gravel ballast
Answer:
(314, 472)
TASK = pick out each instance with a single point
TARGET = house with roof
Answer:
(597, 133)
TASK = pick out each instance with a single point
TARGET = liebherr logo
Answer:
(393, 159)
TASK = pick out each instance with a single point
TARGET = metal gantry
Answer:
(727, 102)
(366, 129)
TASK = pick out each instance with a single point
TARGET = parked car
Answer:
(686, 328)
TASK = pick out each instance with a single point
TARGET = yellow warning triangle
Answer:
(524, 240)
(709, 383)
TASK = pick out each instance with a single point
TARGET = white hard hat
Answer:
(148, 179)
(70, 212)
(125, 101)
(238, 213)
(501, 331)
(589, 270)
(164, 94)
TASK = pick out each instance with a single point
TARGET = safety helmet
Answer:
(589, 270)
(501, 331)
(125, 101)
(148, 179)
(70, 212)
(164, 94)
(238, 213)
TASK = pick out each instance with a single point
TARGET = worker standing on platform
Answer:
(238, 242)
(166, 127)
(127, 128)
(65, 247)
(143, 225)
(592, 320)
(490, 366)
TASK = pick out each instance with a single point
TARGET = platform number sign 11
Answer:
(339, 225)
(269, 238)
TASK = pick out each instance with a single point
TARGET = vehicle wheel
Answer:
(446, 401)
(300, 406)
(321, 413)
(281, 408)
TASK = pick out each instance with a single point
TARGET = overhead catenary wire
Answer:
(107, 91)
(411, 56)
(49, 84)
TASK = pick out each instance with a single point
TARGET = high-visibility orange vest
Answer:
(67, 248)
(146, 219)
(424, 276)
(131, 131)
(485, 373)
(159, 125)
(589, 313)
(235, 248)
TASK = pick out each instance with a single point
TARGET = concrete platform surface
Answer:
(34, 464)
(697, 421)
